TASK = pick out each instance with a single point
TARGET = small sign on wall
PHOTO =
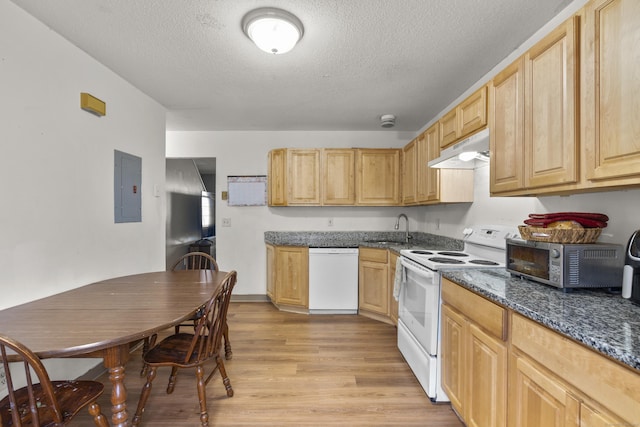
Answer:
(247, 190)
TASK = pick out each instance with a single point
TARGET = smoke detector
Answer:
(387, 120)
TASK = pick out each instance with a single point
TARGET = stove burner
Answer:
(483, 262)
(458, 254)
(442, 260)
(422, 252)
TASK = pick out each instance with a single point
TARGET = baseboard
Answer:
(250, 298)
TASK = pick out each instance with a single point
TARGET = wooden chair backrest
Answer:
(209, 328)
(14, 351)
(196, 261)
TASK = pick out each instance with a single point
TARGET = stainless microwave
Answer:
(565, 266)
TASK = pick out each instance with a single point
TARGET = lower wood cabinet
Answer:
(474, 356)
(373, 283)
(288, 276)
(552, 381)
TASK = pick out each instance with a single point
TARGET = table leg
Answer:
(115, 360)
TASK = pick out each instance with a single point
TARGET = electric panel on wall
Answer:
(127, 187)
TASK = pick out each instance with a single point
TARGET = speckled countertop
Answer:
(351, 239)
(602, 321)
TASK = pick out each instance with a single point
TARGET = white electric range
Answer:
(419, 297)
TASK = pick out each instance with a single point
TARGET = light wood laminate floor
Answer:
(295, 370)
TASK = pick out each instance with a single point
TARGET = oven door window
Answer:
(419, 306)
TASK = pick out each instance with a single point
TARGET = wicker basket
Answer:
(560, 235)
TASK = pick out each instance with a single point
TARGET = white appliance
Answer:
(420, 301)
(469, 153)
(333, 280)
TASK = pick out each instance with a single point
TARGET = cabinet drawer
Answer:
(373, 254)
(491, 317)
(605, 381)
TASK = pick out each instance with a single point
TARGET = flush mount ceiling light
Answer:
(272, 30)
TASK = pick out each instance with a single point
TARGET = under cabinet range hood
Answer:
(466, 154)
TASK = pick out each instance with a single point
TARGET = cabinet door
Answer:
(303, 180)
(486, 402)
(506, 129)
(277, 177)
(409, 172)
(373, 276)
(428, 179)
(472, 113)
(551, 122)
(271, 273)
(378, 177)
(536, 399)
(292, 276)
(590, 417)
(448, 128)
(338, 176)
(611, 88)
(453, 357)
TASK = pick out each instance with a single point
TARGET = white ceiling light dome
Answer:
(273, 30)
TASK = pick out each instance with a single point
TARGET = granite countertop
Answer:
(600, 320)
(393, 240)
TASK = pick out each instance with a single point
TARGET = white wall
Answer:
(621, 207)
(241, 246)
(57, 226)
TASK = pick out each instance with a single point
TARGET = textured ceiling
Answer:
(358, 59)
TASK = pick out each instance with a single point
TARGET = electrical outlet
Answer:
(226, 222)
(330, 222)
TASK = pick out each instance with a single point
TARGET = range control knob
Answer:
(555, 253)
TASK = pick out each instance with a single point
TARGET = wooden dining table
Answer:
(102, 319)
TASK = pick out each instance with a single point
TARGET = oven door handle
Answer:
(421, 271)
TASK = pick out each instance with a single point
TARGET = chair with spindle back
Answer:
(42, 402)
(193, 350)
(191, 261)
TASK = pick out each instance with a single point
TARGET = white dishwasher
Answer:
(333, 280)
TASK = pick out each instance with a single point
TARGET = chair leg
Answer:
(223, 373)
(228, 354)
(172, 379)
(146, 391)
(202, 396)
(98, 418)
(146, 345)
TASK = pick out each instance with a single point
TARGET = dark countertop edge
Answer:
(570, 329)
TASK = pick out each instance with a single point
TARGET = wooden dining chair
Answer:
(42, 402)
(193, 350)
(191, 261)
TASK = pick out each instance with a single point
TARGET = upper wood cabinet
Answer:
(338, 176)
(277, 170)
(534, 121)
(422, 185)
(428, 179)
(611, 90)
(294, 177)
(311, 177)
(378, 176)
(468, 117)
(551, 106)
(410, 172)
(303, 176)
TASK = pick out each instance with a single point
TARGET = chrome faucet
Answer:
(397, 226)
